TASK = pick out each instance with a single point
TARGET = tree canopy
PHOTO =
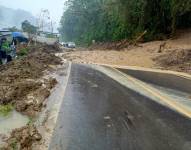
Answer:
(28, 27)
(112, 20)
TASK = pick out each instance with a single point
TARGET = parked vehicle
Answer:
(71, 45)
(68, 44)
(64, 44)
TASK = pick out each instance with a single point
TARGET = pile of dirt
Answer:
(111, 45)
(21, 82)
(51, 48)
(23, 138)
(178, 60)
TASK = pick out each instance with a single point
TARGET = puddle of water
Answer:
(12, 121)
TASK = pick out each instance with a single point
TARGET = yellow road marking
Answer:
(180, 74)
(156, 93)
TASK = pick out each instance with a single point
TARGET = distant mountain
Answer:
(14, 17)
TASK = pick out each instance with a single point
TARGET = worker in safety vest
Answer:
(5, 51)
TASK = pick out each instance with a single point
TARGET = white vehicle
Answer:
(63, 44)
(71, 45)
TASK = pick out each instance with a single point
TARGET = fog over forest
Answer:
(14, 17)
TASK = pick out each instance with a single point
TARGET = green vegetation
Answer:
(23, 52)
(13, 144)
(5, 109)
(28, 27)
(113, 20)
(50, 35)
(30, 122)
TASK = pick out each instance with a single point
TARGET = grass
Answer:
(5, 109)
(13, 144)
(30, 122)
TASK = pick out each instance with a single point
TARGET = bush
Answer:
(5, 109)
(23, 52)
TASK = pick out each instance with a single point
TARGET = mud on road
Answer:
(171, 54)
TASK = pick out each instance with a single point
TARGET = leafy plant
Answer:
(23, 52)
(30, 122)
(5, 109)
(13, 144)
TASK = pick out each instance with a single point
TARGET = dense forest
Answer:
(113, 20)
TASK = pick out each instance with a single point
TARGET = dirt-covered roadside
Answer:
(177, 60)
(24, 85)
(171, 54)
(21, 82)
(23, 138)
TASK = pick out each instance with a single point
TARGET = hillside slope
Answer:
(12, 17)
(175, 54)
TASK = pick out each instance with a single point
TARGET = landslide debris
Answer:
(119, 45)
(21, 82)
(25, 86)
(23, 138)
(178, 60)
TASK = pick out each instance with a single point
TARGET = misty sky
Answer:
(34, 6)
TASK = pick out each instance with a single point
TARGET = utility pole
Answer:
(43, 19)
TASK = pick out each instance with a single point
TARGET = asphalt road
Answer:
(100, 114)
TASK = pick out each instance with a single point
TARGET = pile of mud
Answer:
(119, 45)
(23, 138)
(178, 60)
(21, 82)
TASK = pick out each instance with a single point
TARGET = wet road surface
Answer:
(100, 114)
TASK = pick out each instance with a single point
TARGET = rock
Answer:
(21, 106)
(37, 136)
